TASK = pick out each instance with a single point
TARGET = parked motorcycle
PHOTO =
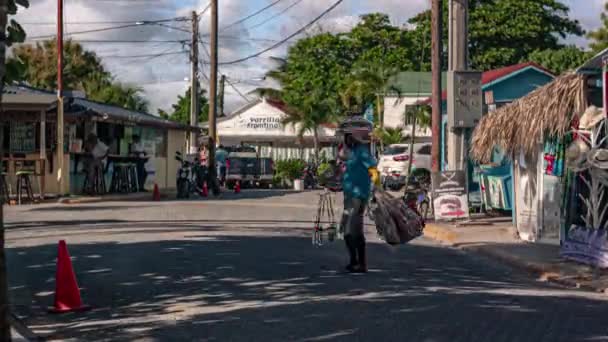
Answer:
(416, 197)
(184, 176)
(309, 177)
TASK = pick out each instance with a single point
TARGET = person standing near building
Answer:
(137, 150)
(98, 153)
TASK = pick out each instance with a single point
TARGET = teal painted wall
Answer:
(519, 85)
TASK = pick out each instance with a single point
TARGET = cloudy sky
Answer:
(164, 77)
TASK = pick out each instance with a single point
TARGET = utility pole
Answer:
(458, 61)
(436, 48)
(60, 143)
(194, 83)
(213, 88)
(220, 97)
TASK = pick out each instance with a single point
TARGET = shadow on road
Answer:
(233, 288)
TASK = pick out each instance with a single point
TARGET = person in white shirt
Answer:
(99, 152)
(137, 150)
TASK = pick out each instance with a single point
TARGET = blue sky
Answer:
(162, 78)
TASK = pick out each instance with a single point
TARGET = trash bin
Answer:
(298, 184)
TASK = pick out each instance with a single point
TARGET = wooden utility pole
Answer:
(213, 87)
(436, 48)
(194, 83)
(5, 328)
(60, 123)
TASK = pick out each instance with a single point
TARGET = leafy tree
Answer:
(83, 70)
(181, 109)
(390, 135)
(599, 37)
(560, 60)
(10, 33)
(41, 65)
(502, 32)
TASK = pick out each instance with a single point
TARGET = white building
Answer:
(259, 124)
(406, 89)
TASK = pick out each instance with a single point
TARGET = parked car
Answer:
(394, 162)
(245, 166)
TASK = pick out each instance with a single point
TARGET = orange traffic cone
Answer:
(237, 187)
(156, 193)
(67, 293)
(205, 191)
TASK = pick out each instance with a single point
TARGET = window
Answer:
(394, 150)
(425, 150)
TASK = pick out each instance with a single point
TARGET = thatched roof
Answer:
(519, 126)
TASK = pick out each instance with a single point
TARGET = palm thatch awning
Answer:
(520, 126)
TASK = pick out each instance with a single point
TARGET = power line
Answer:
(146, 55)
(237, 90)
(173, 27)
(118, 41)
(204, 11)
(281, 42)
(110, 28)
(251, 15)
(264, 22)
(104, 22)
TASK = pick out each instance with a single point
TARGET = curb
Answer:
(441, 234)
(542, 272)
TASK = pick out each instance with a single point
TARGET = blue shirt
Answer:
(221, 156)
(356, 182)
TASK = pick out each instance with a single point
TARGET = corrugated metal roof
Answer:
(75, 105)
(413, 82)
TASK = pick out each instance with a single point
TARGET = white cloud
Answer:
(162, 77)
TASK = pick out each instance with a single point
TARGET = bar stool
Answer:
(120, 178)
(99, 183)
(24, 184)
(133, 177)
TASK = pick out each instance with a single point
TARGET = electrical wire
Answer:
(264, 22)
(283, 41)
(118, 41)
(237, 90)
(173, 27)
(204, 11)
(49, 36)
(250, 15)
(103, 22)
(146, 55)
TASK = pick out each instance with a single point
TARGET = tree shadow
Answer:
(280, 288)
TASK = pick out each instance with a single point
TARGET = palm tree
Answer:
(309, 117)
(419, 115)
(390, 135)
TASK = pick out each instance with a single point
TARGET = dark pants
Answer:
(142, 174)
(353, 227)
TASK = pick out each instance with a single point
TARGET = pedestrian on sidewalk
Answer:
(357, 189)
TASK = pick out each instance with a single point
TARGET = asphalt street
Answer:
(244, 269)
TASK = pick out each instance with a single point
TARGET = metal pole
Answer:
(60, 123)
(213, 86)
(194, 83)
(436, 47)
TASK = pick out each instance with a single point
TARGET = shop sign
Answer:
(450, 198)
(261, 123)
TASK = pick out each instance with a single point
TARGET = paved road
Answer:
(244, 269)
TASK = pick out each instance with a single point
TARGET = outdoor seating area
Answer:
(99, 155)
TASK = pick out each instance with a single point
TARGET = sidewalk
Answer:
(139, 196)
(493, 238)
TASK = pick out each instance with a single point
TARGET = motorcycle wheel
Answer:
(423, 209)
(182, 189)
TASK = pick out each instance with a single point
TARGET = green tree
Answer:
(390, 135)
(181, 109)
(40, 61)
(10, 33)
(560, 60)
(83, 70)
(502, 32)
(599, 37)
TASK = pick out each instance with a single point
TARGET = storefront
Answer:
(26, 131)
(260, 124)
